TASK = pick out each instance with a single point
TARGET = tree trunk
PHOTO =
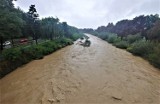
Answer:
(12, 41)
(51, 38)
(35, 37)
(36, 40)
(1, 42)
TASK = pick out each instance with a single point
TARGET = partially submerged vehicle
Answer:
(84, 41)
(87, 43)
(6, 43)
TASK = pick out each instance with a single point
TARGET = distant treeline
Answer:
(14, 23)
(140, 36)
(148, 26)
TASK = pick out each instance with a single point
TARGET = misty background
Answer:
(91, 13)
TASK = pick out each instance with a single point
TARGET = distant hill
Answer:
(148, 26)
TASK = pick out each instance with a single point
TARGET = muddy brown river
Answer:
(99, 74)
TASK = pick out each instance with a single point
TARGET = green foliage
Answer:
(17, 24)
(75, 36)
(113, 38)
(133, 38)
(147, 25)
(12, 54)
(22, 55)
(154, 32)
(64, 41)
(141, 48)
(154, 57)
(51, 28)
(142, 28)
(136, 45)
(10, 22)
(49, 47)
(122, 44)
(103, 35)
(36, 52)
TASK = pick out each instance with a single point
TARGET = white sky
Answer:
(91, 13)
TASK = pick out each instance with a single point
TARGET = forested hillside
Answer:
(140, 36)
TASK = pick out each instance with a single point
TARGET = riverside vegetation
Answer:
(140, 36)
(46, 35)
(17, 56)
(137, 45)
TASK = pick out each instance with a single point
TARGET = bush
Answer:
(103, 35)
(15, 57)
(37, 51)
(12, 54)
(154, 57)
(136, 45)
(50, 46)
(122, 44)
(76, 36)
(27, 54)
(133, 38)
(113, 38)
(141, 48)
(64, 41)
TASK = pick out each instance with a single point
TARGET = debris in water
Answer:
(54, 100)
(117, 97)
(51, 100)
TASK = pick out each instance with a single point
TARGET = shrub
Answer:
(37, 51)
(75, 36)
(33, 52)
(154, 57)
(49, 47)
(12, 54)
(67, 41)
(27, 54)
(103, 35)
(15, 57)
(122, 44)
(64, 41)
(133, 38)
(113, 38)
(141, 48)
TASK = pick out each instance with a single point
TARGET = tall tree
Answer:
(66, 29)
(33, 17)
(154, 33)
(10, 22)
(51, 28)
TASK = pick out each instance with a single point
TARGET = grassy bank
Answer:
(15, 57)
(135, 44)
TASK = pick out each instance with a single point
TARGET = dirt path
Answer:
(100, 74)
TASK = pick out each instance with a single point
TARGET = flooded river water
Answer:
(99, 74)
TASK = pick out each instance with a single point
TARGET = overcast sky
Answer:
(91, 13)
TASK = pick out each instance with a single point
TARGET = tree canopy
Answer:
(14, 23)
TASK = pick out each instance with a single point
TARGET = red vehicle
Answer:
(24, 40)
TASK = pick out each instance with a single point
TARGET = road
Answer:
(99, 74)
